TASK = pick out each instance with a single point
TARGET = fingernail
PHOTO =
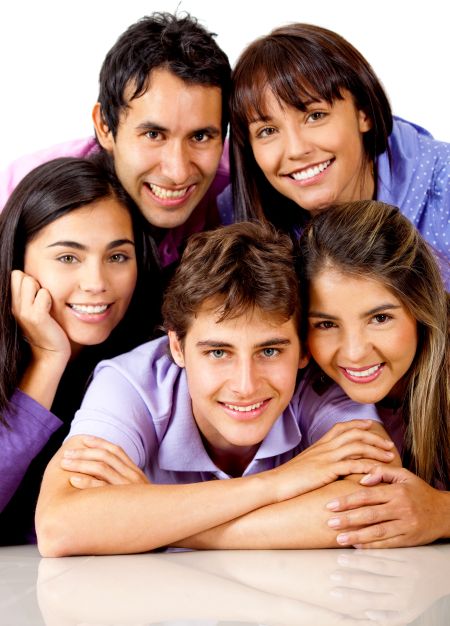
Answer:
(334, 522)
(75, 479)
(336, 577)
(69, 453)
(343, 539)
(66, 462)
(333, 504)
(365, 479)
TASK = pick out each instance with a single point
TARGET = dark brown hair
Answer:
(298, 63)
(246, 265)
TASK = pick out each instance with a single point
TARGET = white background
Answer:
(51, 52)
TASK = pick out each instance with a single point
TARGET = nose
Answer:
(175, 162)
(244, 380)
(355, 347)
(93, 277)
(297, 144)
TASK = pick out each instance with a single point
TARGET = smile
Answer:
(363, 375)
(89, 309)
(310, 172)
(244, 409)
(168, 194)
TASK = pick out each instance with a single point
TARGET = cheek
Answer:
(320, 348)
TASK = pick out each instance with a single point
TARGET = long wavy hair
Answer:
(47, 193)
(370, 239)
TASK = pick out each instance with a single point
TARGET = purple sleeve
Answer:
(29, 428)
(13, 173)
(318, 413)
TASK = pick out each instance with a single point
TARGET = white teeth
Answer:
(170, 194)
(363, 373)
(244, 409)
(90, 309)
(311, 171)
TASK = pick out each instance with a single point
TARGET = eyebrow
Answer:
(374, 311)
(80, 246)
(214, 131)
(212, 343)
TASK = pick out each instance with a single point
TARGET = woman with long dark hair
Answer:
(77, 284)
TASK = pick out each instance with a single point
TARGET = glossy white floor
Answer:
(316, 587)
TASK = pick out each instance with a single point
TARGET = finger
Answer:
(111, 457)
(385, 474)
(96, 469)
(86, 482)
(360, 498)
(357, 434)
(97, 442)
(353, 466)
(343, 427)
(377, 533)
(360, 449)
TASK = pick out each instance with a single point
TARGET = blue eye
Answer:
(270, 352)
(217, 354)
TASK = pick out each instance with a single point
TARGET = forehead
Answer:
(254, 324)
(337, 289)
(104, 219)
(169, 99)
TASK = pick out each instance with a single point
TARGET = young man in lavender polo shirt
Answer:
(210, 437)
(161, 120)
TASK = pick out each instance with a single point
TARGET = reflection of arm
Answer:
(29, 428)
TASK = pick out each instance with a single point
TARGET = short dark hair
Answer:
(47, 193)
(246, 265)
(177, 43)
(298, 63)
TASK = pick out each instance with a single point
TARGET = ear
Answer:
(104, 135)
(364, 121)
(303, 359)
(176, 348)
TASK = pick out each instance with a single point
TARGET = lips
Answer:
(168, 194)
(310, 172)
(363, 374)
(245, 411)
(89, 309)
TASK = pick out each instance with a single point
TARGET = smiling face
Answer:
(86, 260)
(241, 374)
(314, 157)
(360, 334)
(167, 147)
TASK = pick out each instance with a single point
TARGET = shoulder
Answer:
(13, 174)
(318, 410)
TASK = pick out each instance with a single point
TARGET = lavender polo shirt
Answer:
(140, 401)
(204, 216)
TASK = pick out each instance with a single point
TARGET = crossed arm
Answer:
(128, 514)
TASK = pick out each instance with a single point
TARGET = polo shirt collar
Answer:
(182, 449)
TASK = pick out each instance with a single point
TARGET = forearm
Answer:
(299, 523)
(29, 428)
(136, 518)
(41, 378)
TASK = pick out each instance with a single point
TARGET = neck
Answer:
(233, 460)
